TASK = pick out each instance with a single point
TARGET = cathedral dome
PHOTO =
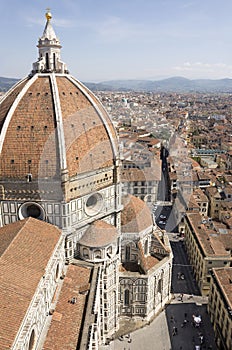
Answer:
(99, 234)
(136, 216)
(52, 127)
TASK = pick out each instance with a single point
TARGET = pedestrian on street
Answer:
(174, 330)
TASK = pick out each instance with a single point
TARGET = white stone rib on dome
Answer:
(13, 107)
(59, 122)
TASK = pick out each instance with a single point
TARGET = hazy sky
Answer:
(123, 39)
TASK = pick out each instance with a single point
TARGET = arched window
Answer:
(109, 250)
(146, 247)
(115, 305)
(32, 341)
(126, 297)
(47, 61)
(57, 272)
(85, 253)
(54, 61)
(127, 257)
(97, 254)
(160, 284)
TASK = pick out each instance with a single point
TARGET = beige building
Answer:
(220, 306)
(218, 198)
(208, 246)
(201, 200)
(141, 175)
(215, 201)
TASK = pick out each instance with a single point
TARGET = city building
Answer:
(208, 244)
(220, 306)
(96, 255)
(141, 175)
(201, 200)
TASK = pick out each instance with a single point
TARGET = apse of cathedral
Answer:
(78, 258)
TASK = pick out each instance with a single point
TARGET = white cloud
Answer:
(203, 69)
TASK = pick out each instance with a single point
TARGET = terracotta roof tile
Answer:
(66, 321)
(211, 242)
(147, 262)
(224, 278)
(26, 136)
(146, 174)
(135, 216)
(22, 264)
(99, 234)
(88, 130)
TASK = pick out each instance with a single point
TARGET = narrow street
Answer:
(181, 267)
(187, 306)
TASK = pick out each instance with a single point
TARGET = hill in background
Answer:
(174, 84)
(6, 83)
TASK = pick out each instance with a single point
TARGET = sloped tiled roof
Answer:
(66, 321)
(146, 174)
(224, 278)
(212, 242)
(147, 262)
(24, 257)
(135, 216)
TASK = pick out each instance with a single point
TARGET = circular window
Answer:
(31, 209)
(93, 204)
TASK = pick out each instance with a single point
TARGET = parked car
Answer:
(163, 216)
(162, 222)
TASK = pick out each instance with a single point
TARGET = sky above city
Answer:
(124, 39)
